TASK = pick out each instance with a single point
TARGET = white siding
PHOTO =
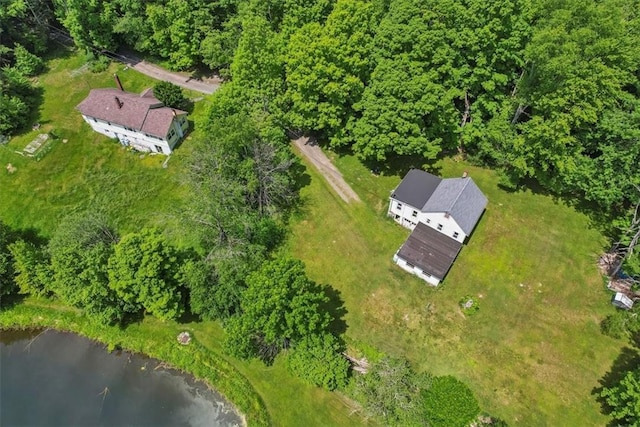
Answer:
(432, 280)
(138, 140)
(449, 225)
(403, 214)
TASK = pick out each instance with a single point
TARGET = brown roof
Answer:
(143, 112)
(430, 250)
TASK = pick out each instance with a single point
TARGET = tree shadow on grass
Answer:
(335, 307)
(400, 165)
(11, 300)
(627, 360)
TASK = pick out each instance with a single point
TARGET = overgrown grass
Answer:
(532, 354)
(89, 170)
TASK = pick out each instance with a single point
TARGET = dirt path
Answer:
(185, 80)
(312, 152)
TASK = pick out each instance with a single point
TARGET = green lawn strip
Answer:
(289, 400)
(155, 339)
(532, 354)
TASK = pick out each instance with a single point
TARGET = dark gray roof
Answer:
(416, 188)
(461, 198)
(430, 250)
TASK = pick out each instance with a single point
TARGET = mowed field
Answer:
(532, 354)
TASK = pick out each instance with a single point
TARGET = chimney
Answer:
(118, 102)
(118, 82)
(465, 174)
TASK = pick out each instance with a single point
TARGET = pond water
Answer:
(59, 379)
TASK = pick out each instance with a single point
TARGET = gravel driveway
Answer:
(312, 152)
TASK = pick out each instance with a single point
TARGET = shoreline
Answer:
(193, 359)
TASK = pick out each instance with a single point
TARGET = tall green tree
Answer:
(281, 305)
(79, 251)
(407, 108)
(31, 264)
(145, 274)
(24, 23)
(179, 27)
(17, 100)
(624, 399)
(328, 66)
(570, 115)
(258, 69)
(90, 22)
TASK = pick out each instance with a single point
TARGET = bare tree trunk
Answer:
(515, 87)
(466, 117)
(467, 110)
(626, 250)
(516, 117)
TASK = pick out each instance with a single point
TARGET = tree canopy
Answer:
(281, 305)
(144, 272)
(624, 399)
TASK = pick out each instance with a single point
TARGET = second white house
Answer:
(442, 213)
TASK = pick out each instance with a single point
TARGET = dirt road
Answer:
(312, 152)
(185, 80)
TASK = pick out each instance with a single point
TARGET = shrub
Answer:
(99, 64)
(318, 360)
(169, 94)
(449, 403)
(469, 305)
(391, 391)
(615, 325)
(26, 62)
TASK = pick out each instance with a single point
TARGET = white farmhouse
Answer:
(441, 213)
(140, 121)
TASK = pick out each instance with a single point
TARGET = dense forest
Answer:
(546, 92)
(542, 90)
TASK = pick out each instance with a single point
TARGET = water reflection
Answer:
(49, 378)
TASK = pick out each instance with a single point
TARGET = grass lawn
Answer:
(91, 171)
(534, 351)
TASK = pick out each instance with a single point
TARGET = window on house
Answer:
(95, 121)
(427, 274)
(410, 265)
(414, 214)
(439, 227)
(455, 235)
(172, 133)
(428, 221)
(399, 206)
